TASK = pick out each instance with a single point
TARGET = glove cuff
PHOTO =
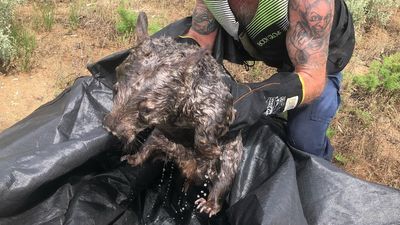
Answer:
(186, 39)
(286, 94)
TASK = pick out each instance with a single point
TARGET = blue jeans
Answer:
(307, 125)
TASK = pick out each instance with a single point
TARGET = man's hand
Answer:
(252, 100)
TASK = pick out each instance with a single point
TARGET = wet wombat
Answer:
(178, 89)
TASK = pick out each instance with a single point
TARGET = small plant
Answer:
(74, 15)
(127, 21)
(258, 71)
(340, 158)
(255, 70)
(26, 44)
(62, 82)
(330, 132)
(363, 116)
(45, 19)
(381, 75)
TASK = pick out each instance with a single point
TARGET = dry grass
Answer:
(367, 135)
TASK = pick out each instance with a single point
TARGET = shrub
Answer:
(383, 75)
(16, 43)
(7, 50)
(367, 12)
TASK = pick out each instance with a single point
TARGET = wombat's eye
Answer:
(115, 86)
(145, 107)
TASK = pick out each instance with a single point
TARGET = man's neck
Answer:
(244, 10)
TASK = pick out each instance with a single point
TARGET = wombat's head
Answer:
(150, 84)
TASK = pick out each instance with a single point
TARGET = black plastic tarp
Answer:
(59, 166)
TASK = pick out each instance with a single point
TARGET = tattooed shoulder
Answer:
(311, 22)
(203, 21)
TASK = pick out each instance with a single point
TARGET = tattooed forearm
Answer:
(203, 21)
(311, 22)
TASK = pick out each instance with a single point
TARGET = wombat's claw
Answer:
(124, 158)
(212, 153)
(206, 207)
(131, 159)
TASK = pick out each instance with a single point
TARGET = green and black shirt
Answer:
(267, 32)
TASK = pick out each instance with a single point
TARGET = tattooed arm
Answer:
(204, 26)
(307, 42)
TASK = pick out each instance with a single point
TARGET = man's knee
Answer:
(311, 138)
(307, 125)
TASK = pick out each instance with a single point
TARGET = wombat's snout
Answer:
(119, 129)
(110, 125)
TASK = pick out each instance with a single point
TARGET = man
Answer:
(309, 41)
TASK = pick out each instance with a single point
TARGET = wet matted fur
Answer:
(178, 90)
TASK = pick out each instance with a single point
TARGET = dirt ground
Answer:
(370, 145)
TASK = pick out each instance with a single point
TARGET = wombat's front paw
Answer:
(210, 207)
(209, 152)
(133, 160)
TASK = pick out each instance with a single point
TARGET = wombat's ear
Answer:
(193, 59)
(141, 28)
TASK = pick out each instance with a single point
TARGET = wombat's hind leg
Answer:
(230, 160)
(139, 158)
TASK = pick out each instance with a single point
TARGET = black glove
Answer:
(281, 92)
(186, 39)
